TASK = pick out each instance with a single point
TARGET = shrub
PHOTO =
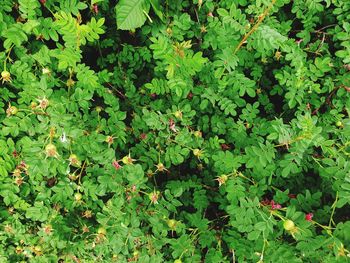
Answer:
(175, 131)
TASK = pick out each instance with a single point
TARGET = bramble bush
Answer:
(175, 131)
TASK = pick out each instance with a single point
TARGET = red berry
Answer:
(116, 165)
(95, 9)
(225, 147)
(275, 206)
(143, 136)
(309, 216)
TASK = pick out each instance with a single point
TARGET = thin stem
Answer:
(333, 210)
(255, 27)
(146, 14)
(81, 172)
(8, 56)
(119, 93)
(263, 249)
(289, 142)
(322, 28)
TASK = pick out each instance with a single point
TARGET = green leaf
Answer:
(38, 212)
(134, 174)
(254, 235)
(157, 9)
(131, 14)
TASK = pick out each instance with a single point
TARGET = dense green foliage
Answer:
(175, 131)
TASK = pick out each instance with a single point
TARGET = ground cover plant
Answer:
(175, 131)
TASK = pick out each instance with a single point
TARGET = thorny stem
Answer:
(319, 31)
(289, 142)
(183, 252)
(245, 177)
(239, 174)
(263, 249)
(34, 112)
(333, 209)
(185, 146)
(81, 171)
(116, 90)
(275, 213)
(317, 161)
(233, 256)
(327, 228)
(321, 44)
(329, 97)
(255, 27)
(323, 227)
(342, 148)
(52, 13)
(8, 56)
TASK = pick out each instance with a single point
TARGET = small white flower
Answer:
(46, 71)
(63, 138)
